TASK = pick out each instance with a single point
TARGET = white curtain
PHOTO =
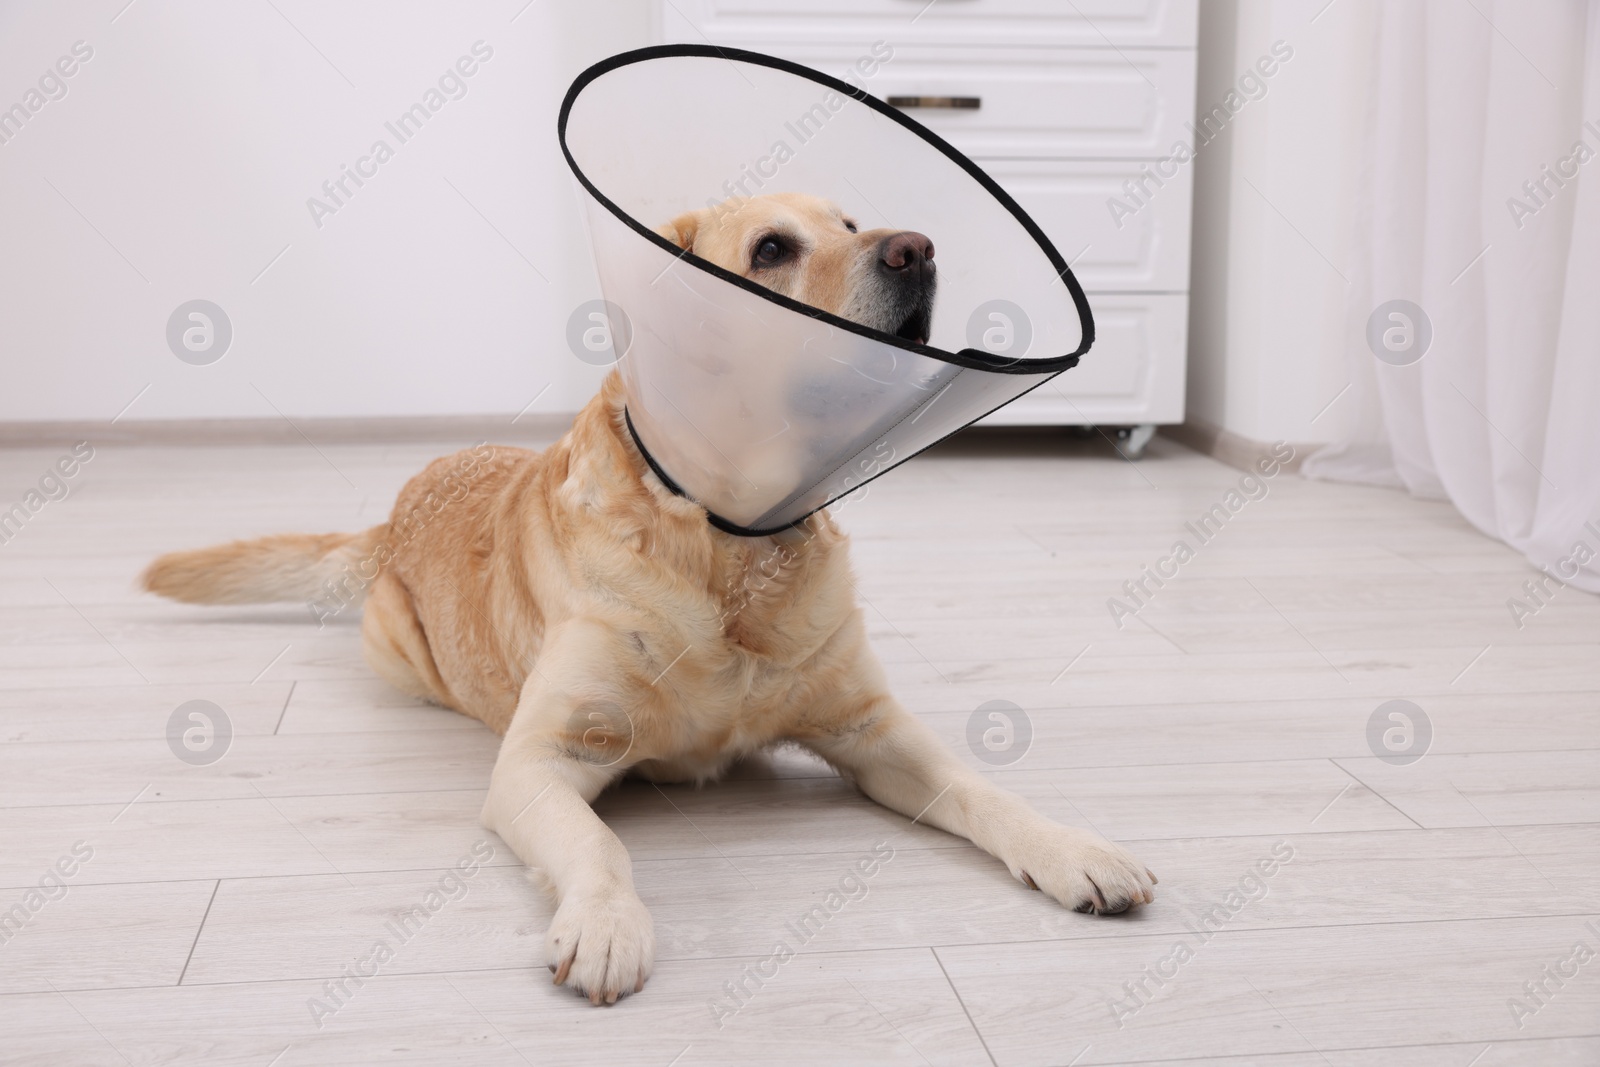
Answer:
(1467, 101)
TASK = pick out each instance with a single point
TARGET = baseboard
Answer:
(274, 431)
(1204, 437)
(1225, 446)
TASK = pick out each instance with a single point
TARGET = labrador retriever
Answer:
(578, 607)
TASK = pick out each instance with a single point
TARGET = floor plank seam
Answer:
(285, 709)
(964, 1009)
(757, 955)
(231, 799)
(1361, 1048)
(954, 846)
(198, 930)
(1377, 793)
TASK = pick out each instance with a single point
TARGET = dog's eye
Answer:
(769, 251)
(850, 225)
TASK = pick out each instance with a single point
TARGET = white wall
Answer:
(1267, 296)
(179, 163)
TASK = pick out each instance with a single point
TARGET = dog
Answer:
(575, 605)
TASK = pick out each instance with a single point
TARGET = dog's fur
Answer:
(573, 604)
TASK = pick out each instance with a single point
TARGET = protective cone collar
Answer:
(758, 407)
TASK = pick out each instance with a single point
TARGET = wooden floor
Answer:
(1222, 729)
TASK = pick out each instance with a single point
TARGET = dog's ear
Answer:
(682, 230)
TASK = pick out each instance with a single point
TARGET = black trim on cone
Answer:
(716, 520)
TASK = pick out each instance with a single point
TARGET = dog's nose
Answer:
(906, 252)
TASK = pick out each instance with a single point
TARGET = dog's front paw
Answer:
(602, 944)
(1083, 871)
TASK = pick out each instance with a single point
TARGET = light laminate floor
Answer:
(1221, 732)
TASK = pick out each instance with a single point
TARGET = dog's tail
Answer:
(281, 568)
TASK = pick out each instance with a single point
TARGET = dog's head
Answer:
(809, 250)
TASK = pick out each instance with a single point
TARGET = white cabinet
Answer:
(1080, 106)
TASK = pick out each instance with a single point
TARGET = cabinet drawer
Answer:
(1090, 23)
(1145, 250)
(1035, 103)
(1134, 373)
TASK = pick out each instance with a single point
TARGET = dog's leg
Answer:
(900, 763)
(567, 741)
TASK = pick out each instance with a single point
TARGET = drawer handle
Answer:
(960, 103)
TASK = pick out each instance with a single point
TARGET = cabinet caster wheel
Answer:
(1134, 439)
